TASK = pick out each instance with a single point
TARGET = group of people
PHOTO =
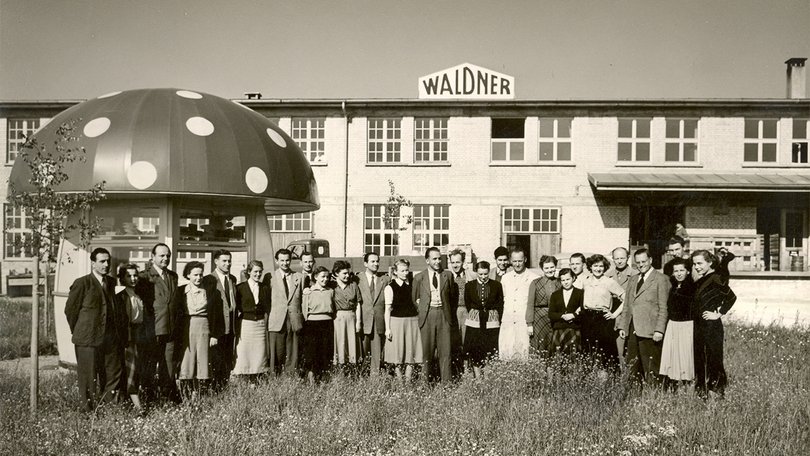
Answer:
(156, 340)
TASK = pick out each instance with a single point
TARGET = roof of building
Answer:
(727, 182)
(171, 141)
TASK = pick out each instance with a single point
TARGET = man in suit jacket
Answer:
(435, 294)
(371, 286)
(644, 319)
(286, 319)
(157, 286)
(99, 325)
(220, 285)
(621, 273)
(307, 266)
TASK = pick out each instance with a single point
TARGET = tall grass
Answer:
(15, 329)
(518, 408)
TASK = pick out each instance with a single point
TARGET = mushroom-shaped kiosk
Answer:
(192, 170)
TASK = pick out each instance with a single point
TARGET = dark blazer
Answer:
(557, 307)
(420, 294)
(86, 311)
(213, 309)
(216, 292)
(373, 307)
(492, 298)
(246, 305)
(145, 288)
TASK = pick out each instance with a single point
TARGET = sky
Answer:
(555, 49)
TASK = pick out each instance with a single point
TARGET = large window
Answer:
(681, 142)
(634, 140)
(309, 134)
(128, 223)
(531, 220)
(384, 140)
(801, 131)
(431, 226)
(430, 140)
(508, 140)
(17, 231)
(760, 140)
(555, 139)
(212, 226)
(18, 130)
(379, 234)
(291, 223)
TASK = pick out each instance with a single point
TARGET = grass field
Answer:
(15, 329)
(518, 408)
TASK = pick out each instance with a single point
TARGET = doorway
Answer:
(652, 227)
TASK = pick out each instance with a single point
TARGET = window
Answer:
(555, 139)
(531, 220)
(430, 140)
(431, 226)
(17, 230)
(379, 235)
(794, 229)
(634, 140)
(127, 223)
(681, 142)
(760, 141)
(308, 134)
(801, 131)
(291, 222)
(507, 140)
(384, 145)
(212, 226)
(18, 130)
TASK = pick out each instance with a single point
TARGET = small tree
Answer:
(394, 219)
(53, 215)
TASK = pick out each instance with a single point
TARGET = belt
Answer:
(436, 305)
(198, 316)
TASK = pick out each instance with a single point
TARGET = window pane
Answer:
(673, 128)
(516, 151)
(799, 154)
(564, 128)
(672, 153)
(643, 128)
(546, 151)
(507, 128)
(750, 153)
(564, 151)
(625, 128)
(128, 222)
(546, 128)
(625, 152)
(498, 151)
(751, 128)
(769, 152)
(689, 152)
(690, 128)
(642, 151)
(800, 128)
(769, 129)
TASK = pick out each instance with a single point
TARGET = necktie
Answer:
(435, 281)
(371, 285)
(286, 286)
(640, 283)
(228, 292)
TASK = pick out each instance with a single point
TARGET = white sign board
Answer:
(467, 81)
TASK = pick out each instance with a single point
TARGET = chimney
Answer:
(258, 95)
(796, 78)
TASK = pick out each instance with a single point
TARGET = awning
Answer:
(719, 182)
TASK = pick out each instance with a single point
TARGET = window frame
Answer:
(23, 131)
(437, 214)
(390, 142)
(515, 215)
(634, 140)
(681, 140)
(761, 141)
(10, 212)
(508, 142)
(312, 142)
(803, 143)
(387, 237)
(555, 140)
(430, 141)
(288, 223)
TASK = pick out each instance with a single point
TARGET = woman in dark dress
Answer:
(537, 319)
(128, 276)
(677, 352)
(564, 306)
(713, 299)
(484, 301)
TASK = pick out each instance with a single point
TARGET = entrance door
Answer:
(653, 226)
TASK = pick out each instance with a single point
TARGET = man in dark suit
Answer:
(307, 266)
(221, 286)
(157, 287)
(373, 310)
(644, 319)
(435, 294)
(99, 325)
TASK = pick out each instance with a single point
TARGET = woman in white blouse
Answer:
(597, 322)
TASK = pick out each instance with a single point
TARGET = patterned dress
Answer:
(540, 292)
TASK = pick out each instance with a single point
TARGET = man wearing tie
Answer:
(644, 319)
(99, 325)
(436, 296)
(373, 310)
(221, 285)
(285, 320)
(157, 287)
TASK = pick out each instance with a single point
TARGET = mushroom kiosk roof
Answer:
(170, 141)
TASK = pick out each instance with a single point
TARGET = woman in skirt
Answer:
(348, 320)
(564, 306)
(484, 301)
(597, 321)
(677, 352)
(713, 299)
(127, 276)
(317, 337)
(252, 303)
(196, 312)
(537, 308)
(404, 341)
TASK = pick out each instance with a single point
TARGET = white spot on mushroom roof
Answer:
(277, 138)
(142, 175)
(200, 126)
(96, 127)
(189, 94)
(256, 180)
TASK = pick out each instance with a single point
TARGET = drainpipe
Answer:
(345, 182)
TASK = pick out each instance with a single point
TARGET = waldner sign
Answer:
(467, 81)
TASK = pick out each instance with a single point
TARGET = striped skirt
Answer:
(677, 352)
(251, 348)
(346, 340)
